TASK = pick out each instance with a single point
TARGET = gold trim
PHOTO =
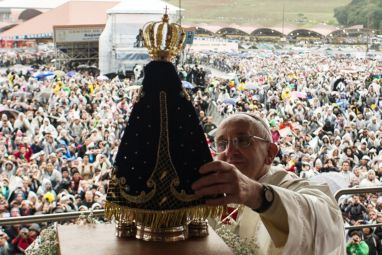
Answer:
(158, 219)
(182, 195)
(141, 198)
(169, 36)
(151, 31)
(159, 36)
(174, 31)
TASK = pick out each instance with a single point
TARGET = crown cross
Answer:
(165, 10)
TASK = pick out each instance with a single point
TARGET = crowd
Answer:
(325, 116)
(59, 133)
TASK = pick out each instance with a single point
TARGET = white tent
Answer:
(117, 43)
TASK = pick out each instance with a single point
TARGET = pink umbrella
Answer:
(9, 112)
(298, 94)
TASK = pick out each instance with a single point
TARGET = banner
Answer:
(77, 33)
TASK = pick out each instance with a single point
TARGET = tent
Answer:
(118, 47)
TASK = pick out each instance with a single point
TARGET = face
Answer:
(372, 215)
(49, 167)
(371, 176)
(89, 195)
(345, 166)
(254, 160)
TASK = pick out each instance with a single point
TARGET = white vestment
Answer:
(303, 219)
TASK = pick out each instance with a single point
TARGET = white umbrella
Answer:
(102, 78)
(133, 87)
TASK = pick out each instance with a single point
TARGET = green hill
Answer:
(260, 12)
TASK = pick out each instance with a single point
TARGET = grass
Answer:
(301, 13)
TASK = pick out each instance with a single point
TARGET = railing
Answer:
(356, 191)
(48, 217)
(100, 213)
(341, 192)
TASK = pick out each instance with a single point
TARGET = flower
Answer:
(238, 245)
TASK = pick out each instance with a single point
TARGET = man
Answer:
(346, 171)
(52, 174)
(285, 214)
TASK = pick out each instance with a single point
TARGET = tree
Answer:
(341, 15)
(360, 12)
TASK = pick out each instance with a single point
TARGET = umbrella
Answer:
(83, 66)
(229, 101)
(111, 75)
(214, 82)
(102, 78)
(298, 94)
(250, 86)
(133, 87)
(71, 74)
(9, 112)
(43, 75)
(187, 85)
(59, 73)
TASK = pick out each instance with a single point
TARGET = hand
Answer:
(222, 183)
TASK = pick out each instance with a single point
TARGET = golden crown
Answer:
(162, 39)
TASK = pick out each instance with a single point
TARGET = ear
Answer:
(273, 149)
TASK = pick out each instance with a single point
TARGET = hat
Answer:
(24, 230)
(36, 155)
(9, 163)
(96, 206)
(60, 150)
(84, 207)
(355, 232)
(365, 157)
(35, 227)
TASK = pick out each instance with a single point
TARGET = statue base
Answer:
(100, 239)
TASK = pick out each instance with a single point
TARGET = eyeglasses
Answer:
(240, 142)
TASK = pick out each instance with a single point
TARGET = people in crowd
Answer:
(60, 134)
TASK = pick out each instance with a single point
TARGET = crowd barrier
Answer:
(351, 191)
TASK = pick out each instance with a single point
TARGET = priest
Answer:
(283, 213)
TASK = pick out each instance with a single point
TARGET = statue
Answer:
(163, 146)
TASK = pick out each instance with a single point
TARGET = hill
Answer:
(260, 12)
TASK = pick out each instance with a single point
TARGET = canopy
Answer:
(143, 7)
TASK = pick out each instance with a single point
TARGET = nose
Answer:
(231, 148)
